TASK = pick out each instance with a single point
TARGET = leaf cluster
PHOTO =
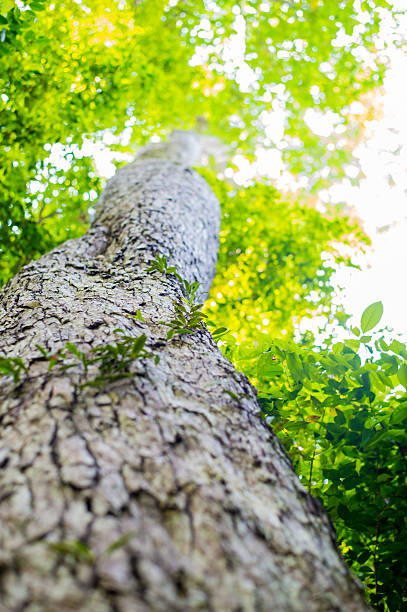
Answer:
(160, 264)
(188, 315)
(12, 366)
(77, 551)
(276, 259)
(113, 360)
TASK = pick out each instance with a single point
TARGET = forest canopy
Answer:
(77, 75)
(71, 71)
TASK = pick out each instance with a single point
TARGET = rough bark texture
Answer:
(215, 517)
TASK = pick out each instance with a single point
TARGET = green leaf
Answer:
(399, 414)
(267, 366)
(338, 348)
(352, 344)
(402, 375)
(397, 347)
(13, 366)
(371, 316)
(397, 434)
(220, 331)
(42, 350)
(74, 350)
(139, 316)
(119, 543)
(294, 365)
(390, 364)
(232, 395)
(37, 6)
(77, 550)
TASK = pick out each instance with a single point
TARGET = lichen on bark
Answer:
(211, 513)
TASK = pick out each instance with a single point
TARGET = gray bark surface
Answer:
(214, 515)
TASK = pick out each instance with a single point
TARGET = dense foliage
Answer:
(276, 259)
(116, 73)
(72, 70)
(341, 412)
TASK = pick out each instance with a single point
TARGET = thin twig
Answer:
(41, 218)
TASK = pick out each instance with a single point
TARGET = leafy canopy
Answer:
(72, 70)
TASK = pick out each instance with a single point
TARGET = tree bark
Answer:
(212, 514)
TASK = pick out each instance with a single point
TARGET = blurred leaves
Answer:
(70, 71)
(275, 260)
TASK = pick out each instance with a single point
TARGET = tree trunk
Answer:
(211, 513)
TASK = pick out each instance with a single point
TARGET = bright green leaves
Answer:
(38, 5)
(399, 415)
(188, 315)
(74, 551)
(294, 366)
(90, 71)
(371, 316)
(32, 223)
(218, 332)
(274, 255)
(191, 289)
(187, 320)
(402, 375)
(52, 358)
(138, 316)
(80, 355)
(267, 366)
(160, 264)
(134, 66)
(112, 360)
(389, 363)
(78, 551)
(12, 366)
